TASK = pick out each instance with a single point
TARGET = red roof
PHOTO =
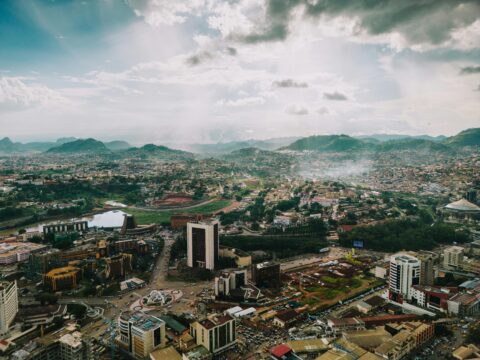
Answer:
(280, 350)
(347, 228)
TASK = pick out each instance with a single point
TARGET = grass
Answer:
(344, 288)
(158, 217)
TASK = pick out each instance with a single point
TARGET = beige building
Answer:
(140, 333)
(8, 304)
(216, 333)
(242, 259)
(168, 353)
(397, 347)
(453, 257)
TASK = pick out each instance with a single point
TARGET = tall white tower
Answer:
(404, 273)
(8, 304)
(202, 244)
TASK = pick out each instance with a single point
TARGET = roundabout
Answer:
(156, 299)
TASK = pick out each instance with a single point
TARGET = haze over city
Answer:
(205, 71)
(239, 179)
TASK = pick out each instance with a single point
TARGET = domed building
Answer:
(463, 209)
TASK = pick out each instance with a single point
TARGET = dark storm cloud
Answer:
(470, 70)
(427, 21)
(335, 96)
(289, 83)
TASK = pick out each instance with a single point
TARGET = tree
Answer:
(474, 334)
(46, 298)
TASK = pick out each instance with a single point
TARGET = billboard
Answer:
(358, 244)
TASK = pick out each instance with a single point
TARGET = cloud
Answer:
(323, 111)
(199, 58)
(430, 22)
(166, 12)
(17, 94)
(295, 109)
(335, 96)
(289, 83)
(467, 70)
(247, 101)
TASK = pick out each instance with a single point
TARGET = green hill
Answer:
(329, 143)
(81, 146)
(469, 137)
(117, 145)
(7, 146)
(411, 144)
(158, 152)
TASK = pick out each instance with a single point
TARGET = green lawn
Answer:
(158, 217)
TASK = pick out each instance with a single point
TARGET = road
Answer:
(172, 208)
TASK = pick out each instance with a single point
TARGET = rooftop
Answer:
(463, 205)
(141, 320)
(168, 353)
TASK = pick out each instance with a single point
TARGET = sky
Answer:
(202, 71)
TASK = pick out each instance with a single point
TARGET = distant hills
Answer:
(159, 152)
(469, 137)
(318, 143)
(329, 143)
(117, 145)
(388, 137)
(228, 147)
(345, 143)
(80, 146)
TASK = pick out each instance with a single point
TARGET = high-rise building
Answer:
(426, 268)
(266, 274)
(141, 333)
(404, 273)
(8, 304)
(215, 333)
(453, 257)
(202, 244)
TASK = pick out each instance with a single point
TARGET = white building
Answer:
(72, 347)
(453, 257)
(216, 333)
(404, 273)
(141, 333)
(202, 244)
(8, 304)
(229, 281)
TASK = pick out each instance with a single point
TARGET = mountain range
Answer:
(344, 143)
(319, 143)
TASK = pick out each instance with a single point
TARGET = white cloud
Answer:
(296, 109)
(247, 101)
(166, 12)
(18, 93)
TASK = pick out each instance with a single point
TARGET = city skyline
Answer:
(216, 71)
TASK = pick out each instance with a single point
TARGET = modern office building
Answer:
(266, 274)
(426, 268)
(453, 257)
(229, 281)
(216, 333)
(73, 226)
(404, 273)
(8, 304)
(203, 244)
(140, 333)
(64, 278)
(118, 266)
